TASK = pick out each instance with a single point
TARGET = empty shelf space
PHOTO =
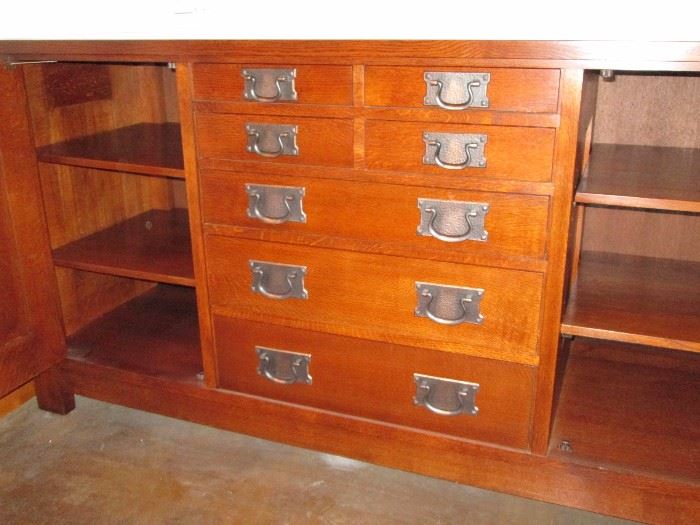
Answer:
(630, 407)
(154, 246)
(155, 334)
(642, 177)
(639, 300)
(149, 149)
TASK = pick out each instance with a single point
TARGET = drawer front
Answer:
(379, 297)
(324, 142)
(330, 85)
(375, 380)
(384, 216)
(493, 152)
(526, 90)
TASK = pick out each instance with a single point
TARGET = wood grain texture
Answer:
(316, 85)
(153, 246)
(149, 149)
(642, 177)
(374, 297)
(325, 142)
(16, 398)
(384, 216)
(375, 380)
(68, 84)
(640, 300)
(511, 152)
(622, 414)
(525, 90)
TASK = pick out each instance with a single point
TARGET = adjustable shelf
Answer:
(148, 149)
(625, 407)
(155, 334)
(641, 300)
(154, 246)
(649, 177)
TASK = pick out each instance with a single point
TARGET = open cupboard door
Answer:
(31, 335)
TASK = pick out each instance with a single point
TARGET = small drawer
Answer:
(489, 152)
(386, 217)
(293, 84)
(473, 398)
(463, 89)
(490, 312)
(295, 140)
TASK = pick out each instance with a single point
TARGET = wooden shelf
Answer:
(632, 408)
(642, 177)
(640, 300)
(155, 334)
(148, 149)
(154, 246)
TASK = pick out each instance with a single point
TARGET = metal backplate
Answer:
(278, 281)
(449, 305)
(452, 221)
(272, 140)
(455, 151)
(446, 397)
(456, 90)
(281, 366)
(275, 204)
(269, 85)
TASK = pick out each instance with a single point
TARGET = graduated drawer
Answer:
(258, 84)
(494, 152)
(376, 380)
(318, 141)
(463, 89)
(377, 296)
(384, 216)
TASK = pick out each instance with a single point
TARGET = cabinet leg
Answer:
(53, 393)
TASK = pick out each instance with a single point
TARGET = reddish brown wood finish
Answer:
(331, 85)
(374, 297)
(639, 300)
(150, 149)
(53, 392)
(526, 90)
(153, 246)
(642, 177)
(68, 84)
(384, 217)
(511, 153)
(324, 142)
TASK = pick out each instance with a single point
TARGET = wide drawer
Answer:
(386, 217)
(295, 84)
(463, 89)
(377, 380)
(324, 142)
(378, 296)
(493, 152)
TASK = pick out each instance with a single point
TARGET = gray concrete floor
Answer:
(107, 464)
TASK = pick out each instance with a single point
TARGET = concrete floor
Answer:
(105, 464)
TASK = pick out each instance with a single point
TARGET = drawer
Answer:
(324, 141)
(526, 90)
(313, 84)
(384, 216)
(493, 152)
(376, 380)
(377, 296)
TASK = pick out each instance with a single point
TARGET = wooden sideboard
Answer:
(473, 260)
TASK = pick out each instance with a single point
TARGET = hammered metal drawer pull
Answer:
(272, 140)
(278, 281)
(452, 221)
(278, 81)
(469, 88)
(455, 151)
(449, 305)
(275, 204)
(446, 397)
(285, 368)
